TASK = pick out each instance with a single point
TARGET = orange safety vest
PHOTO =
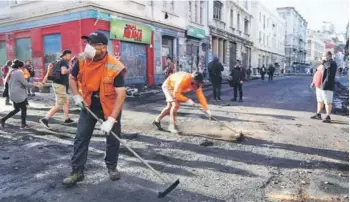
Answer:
(26, 73)
(99, 76)
(180, 82)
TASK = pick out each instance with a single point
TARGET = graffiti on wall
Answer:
(134, 58)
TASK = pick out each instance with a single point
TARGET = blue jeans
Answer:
(86, 125)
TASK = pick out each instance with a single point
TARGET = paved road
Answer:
(284, 156)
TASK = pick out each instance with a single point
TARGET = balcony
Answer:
(218, 24)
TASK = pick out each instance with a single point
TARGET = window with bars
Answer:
(217, 10)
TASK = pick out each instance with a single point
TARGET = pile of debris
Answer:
(341, 95)
(136, 91)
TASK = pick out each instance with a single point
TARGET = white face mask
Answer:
(89, 51)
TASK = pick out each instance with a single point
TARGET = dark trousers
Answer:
(239, 87)
(86, 125)
(263, 76)
(22, 106)
(270, 76)
(217, 88)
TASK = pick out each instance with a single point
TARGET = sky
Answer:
(317, 11)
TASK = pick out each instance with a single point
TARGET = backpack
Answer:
(55, 72)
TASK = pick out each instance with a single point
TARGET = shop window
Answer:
(52, 48)
(23, 49)
(217, 10)
(3, 54)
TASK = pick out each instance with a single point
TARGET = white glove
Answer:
(79, 101)
(108, 125)
(208, 112)
(191, 103)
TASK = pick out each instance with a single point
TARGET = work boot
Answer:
(327, 119)
(172, 129)
(157, 124)
(317, 116)
(234, 100)
(73, 179)
(114, 174)
(240, 100)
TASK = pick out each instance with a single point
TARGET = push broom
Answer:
(160, 194)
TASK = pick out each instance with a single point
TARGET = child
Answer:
(18, 93)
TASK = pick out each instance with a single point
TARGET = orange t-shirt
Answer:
(180, 82)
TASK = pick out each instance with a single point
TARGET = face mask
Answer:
(89, 51)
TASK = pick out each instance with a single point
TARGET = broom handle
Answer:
(131, 150)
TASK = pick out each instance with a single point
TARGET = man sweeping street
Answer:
(101, 83)
(173, 87)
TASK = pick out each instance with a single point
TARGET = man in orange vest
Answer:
(173, 87)
(101, 81)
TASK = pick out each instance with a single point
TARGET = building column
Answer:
(221, 49)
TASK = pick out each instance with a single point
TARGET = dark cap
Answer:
(65, 52)
(96, 37)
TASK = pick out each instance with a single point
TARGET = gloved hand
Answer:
(191, 103)
(107, 125)
(79, 101)
(208, 112)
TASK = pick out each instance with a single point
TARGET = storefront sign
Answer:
(195, 32)
(129, 31)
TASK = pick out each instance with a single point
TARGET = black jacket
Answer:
(237, 74)
(328, 79)
(215, 68)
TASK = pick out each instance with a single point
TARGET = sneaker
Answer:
(73, 179)
(172, 129)
(68, 121)
(113, 174)
(327, 119)
(240, 100)
(317, 116)
(24, 126)
(2, 122)
(234, 100)
(45, 122)
(157, 124)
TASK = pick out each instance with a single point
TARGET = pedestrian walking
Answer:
(29, 67)
(5, 75)
(173, 89)
(215, 68)
(97, 82)
(263, 72)
(249, 72)
(59, 72)
(326, 88)
(271, 72)
(170, 69)
(237, 76)
(18, 93)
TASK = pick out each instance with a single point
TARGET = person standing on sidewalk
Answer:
(5, 76)
(18, 93)
(170, 69)
(173, 89)
(327, 88)
(97, 82)
(237, 76)
(215, 68)
(249, 72)
(60, 84)
(28, 65)
(271, 71)
(263, 72)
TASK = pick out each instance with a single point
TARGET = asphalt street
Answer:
(284, 156)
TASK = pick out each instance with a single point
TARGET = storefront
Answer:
(133, 44)
(195, 57)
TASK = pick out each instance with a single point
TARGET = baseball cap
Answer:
(96, 37)
(65, 52)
